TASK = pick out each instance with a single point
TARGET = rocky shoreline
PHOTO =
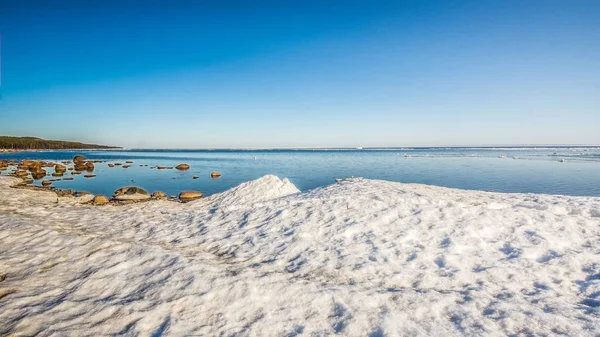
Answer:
(29, 171)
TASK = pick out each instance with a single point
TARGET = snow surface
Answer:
(357, 258)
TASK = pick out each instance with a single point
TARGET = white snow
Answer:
(357, 258)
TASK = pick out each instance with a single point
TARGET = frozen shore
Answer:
(357, 258)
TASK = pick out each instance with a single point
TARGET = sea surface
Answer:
(549, 170)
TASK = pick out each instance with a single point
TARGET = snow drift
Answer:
(358, 258)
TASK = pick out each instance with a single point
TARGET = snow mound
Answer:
(262, 189)
(358, 258)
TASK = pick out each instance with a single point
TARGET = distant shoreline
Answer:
(16, 144)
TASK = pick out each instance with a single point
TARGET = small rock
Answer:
(182, 167)
(58, 168)
(22, 174)
(126, 166)
(38, 175)
(161, 167)
(195, 177)
(215, 174)
(100, 200)
(89, 175)
(57, 174)
(68, 178)
(89, 166)
(159, 195)
(84, 198)
(80, 167)
(131, 193)
(75, 172)
(46, 183)
(189, 195)
(6, 292)
(129, 162)
(111, 165)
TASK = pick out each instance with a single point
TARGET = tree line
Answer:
(34, 143)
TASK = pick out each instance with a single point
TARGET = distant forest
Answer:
(34, 143)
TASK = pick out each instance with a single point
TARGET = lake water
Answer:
(526, 170)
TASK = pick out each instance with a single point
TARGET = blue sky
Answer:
(301, 74)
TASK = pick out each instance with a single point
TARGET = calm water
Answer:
(532, 170)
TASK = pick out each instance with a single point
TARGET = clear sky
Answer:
(301, 74)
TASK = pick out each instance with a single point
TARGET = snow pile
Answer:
(358, 258)
(262, 189)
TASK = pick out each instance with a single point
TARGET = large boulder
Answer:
(131, 193)
(182, 167)
(89, 166)
(189, 195)
(78, 159)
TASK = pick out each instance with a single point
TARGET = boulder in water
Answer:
(46, 183)
(215, 174)
(182, 167)
(78, 159)
(58, 168)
